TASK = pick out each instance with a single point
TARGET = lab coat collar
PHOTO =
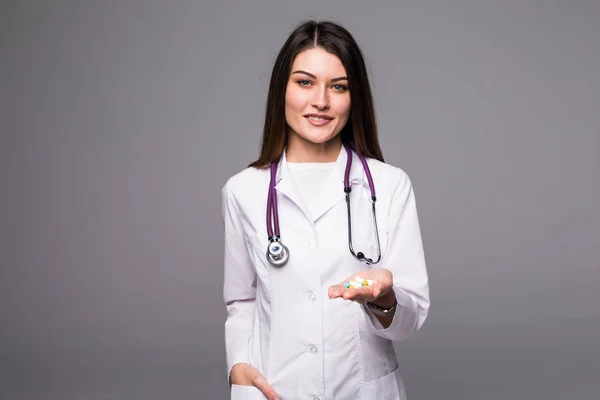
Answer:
(333, 190)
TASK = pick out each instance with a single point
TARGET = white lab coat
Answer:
(281, 321)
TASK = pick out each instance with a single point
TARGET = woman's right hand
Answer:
(245, 375)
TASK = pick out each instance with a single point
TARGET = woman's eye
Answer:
(340, 88)
(303, 82)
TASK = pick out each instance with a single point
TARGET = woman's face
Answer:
(317, 98)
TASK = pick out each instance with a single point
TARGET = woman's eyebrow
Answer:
(341, 78)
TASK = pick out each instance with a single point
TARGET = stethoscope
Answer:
(278, 254)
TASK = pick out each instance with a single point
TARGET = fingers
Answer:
(246, 375)
(363, 293)
(336, 291)
(261, 383)
(348, 293)
(360, 295)
(351, 289)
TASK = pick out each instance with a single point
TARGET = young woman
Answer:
(324, 263)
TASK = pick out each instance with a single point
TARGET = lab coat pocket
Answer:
(240, 392)
(383, 388)
(378, 355)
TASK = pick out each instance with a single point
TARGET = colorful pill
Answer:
(363, 282)
(358, 282)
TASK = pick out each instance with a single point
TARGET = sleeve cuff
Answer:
(237, 356)
(404, 302)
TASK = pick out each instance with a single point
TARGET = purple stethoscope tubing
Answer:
(278, 253)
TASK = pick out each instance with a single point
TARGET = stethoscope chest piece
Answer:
(277, 253)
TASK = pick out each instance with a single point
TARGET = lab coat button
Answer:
(313, 349)
(312, 297)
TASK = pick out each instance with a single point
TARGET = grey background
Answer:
(121, 121)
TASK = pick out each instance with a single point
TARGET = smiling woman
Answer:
(300, 324)
(317, 105)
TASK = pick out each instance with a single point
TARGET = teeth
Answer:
(317, 118)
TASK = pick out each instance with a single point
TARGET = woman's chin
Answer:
(319, 138)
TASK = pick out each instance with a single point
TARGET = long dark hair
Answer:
(361, 129)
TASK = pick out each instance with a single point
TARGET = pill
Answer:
(358, 282)
(363, 282)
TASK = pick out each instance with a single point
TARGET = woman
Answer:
(295, 328)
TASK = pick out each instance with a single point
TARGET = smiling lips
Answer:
(318, 119)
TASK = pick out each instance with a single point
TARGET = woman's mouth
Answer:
(318, 120)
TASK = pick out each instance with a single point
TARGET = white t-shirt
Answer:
(309, 177)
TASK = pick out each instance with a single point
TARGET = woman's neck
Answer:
(300, 150)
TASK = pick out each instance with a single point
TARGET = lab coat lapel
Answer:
(333, 191)
(286, 186)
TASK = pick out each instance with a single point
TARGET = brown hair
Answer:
(361, 129)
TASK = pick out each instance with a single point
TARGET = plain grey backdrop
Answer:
(121, 121)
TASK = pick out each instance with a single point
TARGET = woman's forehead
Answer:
(318, 62)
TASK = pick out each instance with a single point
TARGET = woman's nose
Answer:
(321, 99)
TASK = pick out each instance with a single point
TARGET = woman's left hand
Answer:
(379, 293)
